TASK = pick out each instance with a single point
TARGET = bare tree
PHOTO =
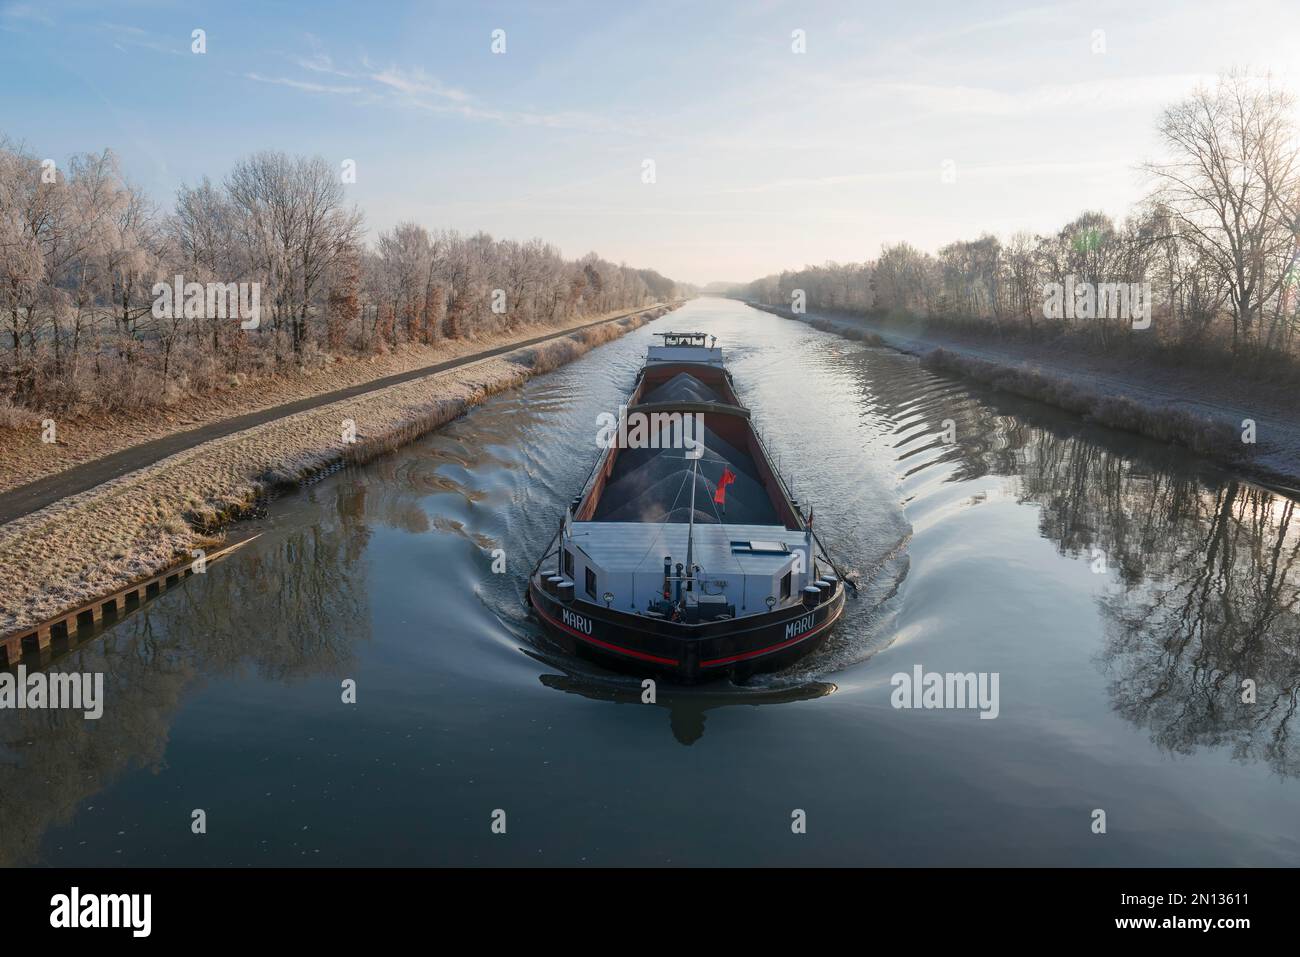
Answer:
(1230, 188)
(82, 249)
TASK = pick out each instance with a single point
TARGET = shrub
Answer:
(14, 417)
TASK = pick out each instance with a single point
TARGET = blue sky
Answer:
(764, 158)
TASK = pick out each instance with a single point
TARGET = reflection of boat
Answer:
(686, 712)
(687, 707)
(684, 552)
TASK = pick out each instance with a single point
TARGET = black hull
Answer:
(687, 652)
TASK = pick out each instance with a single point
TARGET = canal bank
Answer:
(102, 540)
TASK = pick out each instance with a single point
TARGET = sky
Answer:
(917, 121)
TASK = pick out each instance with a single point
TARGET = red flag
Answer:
(720, 496)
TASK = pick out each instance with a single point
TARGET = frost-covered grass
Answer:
(1218, 438)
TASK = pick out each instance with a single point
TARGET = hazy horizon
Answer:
(765, 159)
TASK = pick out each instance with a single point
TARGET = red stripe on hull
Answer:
(606, 645)
(707, 663)
(770, 649)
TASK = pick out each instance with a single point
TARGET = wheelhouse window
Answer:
(568, 564)
(785, 585)
(591, 583)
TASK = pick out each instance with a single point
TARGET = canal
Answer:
(1138, 606)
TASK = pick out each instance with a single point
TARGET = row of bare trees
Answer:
(1218, 239)
(82, 250)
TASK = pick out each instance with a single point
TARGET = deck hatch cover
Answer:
(760, 548)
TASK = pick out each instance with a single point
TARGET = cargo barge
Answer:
(684, 552)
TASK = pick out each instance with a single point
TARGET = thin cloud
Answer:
(304, 85)
(136, 37)
(20, 13)
(999, 170)
(416, 82)
(318, 63)
(415, 88)
(1139, 91)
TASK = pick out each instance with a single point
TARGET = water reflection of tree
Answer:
(291, 607)
(54, 760)
(1211, 618)
(1206, 567)
(1208, 585)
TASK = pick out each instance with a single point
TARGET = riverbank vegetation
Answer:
(81, 249)
(1217, 239)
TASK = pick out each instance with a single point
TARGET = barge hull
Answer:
(687, 652)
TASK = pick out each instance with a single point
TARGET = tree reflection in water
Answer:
(1204, 583)
(291, 608)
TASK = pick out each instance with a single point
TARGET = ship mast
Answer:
(690, 533)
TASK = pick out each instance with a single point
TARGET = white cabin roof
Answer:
(685, 347)
(637, 547)
(700, 354)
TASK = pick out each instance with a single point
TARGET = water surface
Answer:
(1122, 591)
